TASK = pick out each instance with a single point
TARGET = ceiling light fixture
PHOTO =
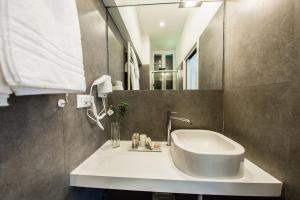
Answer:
(162, 24)
(189, 3)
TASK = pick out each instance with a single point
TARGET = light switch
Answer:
(84, 101)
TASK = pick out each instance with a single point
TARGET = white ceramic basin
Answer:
(203, 153)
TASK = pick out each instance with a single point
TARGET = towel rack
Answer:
(128, 65)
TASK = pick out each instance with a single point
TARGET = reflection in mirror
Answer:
(168, 46)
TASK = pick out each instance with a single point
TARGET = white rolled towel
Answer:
(5, 91)
(135, 63)
(40, 46)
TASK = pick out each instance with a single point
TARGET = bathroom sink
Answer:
(203, 153)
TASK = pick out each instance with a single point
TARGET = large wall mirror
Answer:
(165, 45)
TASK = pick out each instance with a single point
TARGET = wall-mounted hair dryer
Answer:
(104, 87)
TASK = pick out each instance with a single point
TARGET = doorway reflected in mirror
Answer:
(166, 46)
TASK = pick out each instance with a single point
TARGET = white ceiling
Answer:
(149, 17)
(167, 37)
(135, 2)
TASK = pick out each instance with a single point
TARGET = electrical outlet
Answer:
(84, 101)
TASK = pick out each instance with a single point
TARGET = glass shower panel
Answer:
(158, 62)
(169, 61)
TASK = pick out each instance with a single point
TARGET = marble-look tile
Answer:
(82, 136)
(260, 118)
(297, 41)
(39, 143)
(92, 18)
(147, 111)
(211, 54)
(258, 47)
(116, 52)
(261, 97)
(144, 77)
(31, 149)
(293, 170)
(203, 108)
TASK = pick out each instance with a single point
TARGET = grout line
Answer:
(260, 85)
(64, 147)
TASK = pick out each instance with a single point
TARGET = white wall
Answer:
(140, 42)
(146, 51)
(195, 25)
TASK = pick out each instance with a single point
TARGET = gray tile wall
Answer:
(39, 143)
(211, 54)
(293, 170)
(144, 77)
(261, 97)
(116, 52)
(148, 111)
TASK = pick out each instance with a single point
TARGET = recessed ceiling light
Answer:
(190, 3)
(162, 24)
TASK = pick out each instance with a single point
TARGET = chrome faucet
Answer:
(170, 117)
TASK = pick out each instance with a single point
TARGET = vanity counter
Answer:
(121, 169)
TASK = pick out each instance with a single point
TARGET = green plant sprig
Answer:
(120, 110)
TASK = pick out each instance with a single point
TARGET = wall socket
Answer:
(84, 101)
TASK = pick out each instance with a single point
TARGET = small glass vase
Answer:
(115, 134)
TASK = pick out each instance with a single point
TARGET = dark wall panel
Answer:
(32, 149)
(81, 136)
(39, 143)
(261, 97)
(144, 77)
(211, 54)
(293, 171)
(116, 52)
(148, 111)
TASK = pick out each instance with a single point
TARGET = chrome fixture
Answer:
(170, 117)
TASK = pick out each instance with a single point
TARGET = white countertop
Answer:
(119, 168)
